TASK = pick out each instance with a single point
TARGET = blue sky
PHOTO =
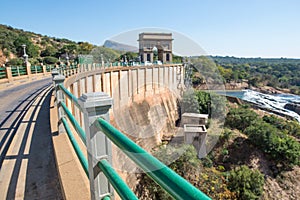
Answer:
(243, 28)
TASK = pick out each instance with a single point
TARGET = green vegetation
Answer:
(282, 73)
(275, 142)
(288, 127)
(209, 180)
(246, 183)
(203, 102)
(46, 49)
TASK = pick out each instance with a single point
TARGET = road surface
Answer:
(27, 163)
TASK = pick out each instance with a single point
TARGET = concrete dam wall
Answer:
(144, 102)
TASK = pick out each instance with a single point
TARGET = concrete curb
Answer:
(73, 180)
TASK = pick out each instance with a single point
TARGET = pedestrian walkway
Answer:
(27, 163)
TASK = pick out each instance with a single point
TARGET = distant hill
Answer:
(119, 46)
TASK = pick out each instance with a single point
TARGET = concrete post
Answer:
(54, 73)
(44, 69)
(95, 105)
(28, 69)
(8, 74)
(58, 79)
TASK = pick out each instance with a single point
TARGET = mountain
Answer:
(119, 46)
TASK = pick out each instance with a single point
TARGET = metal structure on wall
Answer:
(155, 46)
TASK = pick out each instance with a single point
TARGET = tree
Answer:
(247, 183)
(85, 48)
(15, 62)
(49, 51)
(189, 102)
(50, 60)
(31, 49)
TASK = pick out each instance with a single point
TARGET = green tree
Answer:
(85, 48)
(247, 183)
(49, 51)
(189, 102)
(31, 49)
(50, 60)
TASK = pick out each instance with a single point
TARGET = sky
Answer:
(241, 28)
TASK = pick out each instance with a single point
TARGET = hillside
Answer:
(279, 73)
(42, 48)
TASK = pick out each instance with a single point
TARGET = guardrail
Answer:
(97, 136)
(12, 73)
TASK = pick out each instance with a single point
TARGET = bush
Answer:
(15, 62)
(274, 142)
(240, 118)
(247, 183)
(50, 60)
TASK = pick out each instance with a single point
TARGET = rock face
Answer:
(145, 122)
(293, 107)
(118, 46)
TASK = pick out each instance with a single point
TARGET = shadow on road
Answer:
(41, 179)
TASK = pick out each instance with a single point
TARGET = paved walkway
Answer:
(27, 163)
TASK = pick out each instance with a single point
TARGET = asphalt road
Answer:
(27, 163)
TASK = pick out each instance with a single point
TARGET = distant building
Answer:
(151, 43)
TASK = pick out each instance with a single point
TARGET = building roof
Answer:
(197, 115)
(194, 128)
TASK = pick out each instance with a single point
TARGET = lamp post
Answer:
(67, 58)
(25, 56)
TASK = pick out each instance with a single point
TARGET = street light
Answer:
(25, 55)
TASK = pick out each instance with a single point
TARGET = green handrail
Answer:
(116, 181)
(74, 122)
(82, 159)
(69, 95)
(171, 182)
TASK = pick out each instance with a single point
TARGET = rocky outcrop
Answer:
(293, 107)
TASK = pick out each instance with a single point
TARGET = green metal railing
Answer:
(36, 69)
(49, 68)
(170, 181)
(18, 71)
(2, 73)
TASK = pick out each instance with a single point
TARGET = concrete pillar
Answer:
(60, 97)
(28, 68)
(44, 69)
(8, 74)
(54, 72)
(95, 105)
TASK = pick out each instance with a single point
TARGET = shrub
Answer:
(246, 183)
(240, 118)
(50, 60)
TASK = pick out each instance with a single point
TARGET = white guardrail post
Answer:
(95, 105)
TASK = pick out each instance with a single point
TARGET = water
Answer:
(273, 102)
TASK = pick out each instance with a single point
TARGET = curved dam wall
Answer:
(144, 104)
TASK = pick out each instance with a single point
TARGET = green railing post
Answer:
(93, 106)
(58, 79)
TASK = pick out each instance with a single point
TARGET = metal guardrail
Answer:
(2, 73)
(171, 182)
(18, 71)
(36, 69)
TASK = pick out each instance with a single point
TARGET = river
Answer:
(274, 102)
